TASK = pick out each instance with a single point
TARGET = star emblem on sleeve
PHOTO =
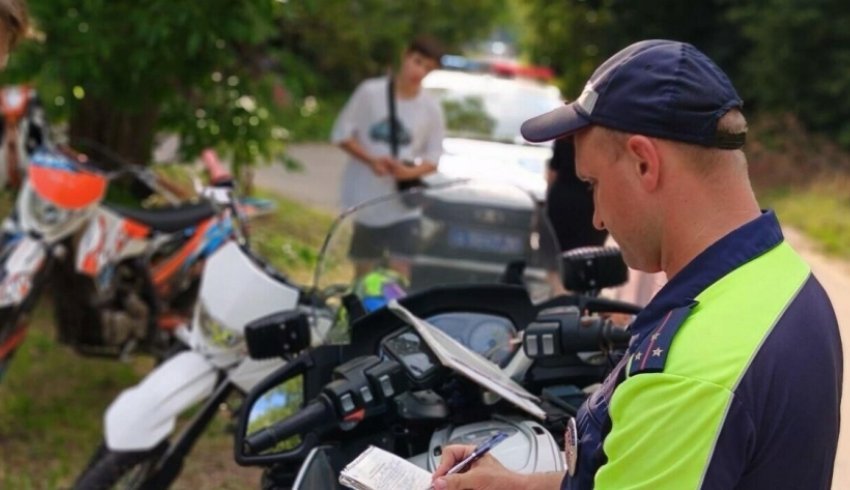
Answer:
(657, 352)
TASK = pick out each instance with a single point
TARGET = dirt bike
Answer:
(97, 258)
(141, 449)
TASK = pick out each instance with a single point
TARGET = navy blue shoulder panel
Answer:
(782, 425)
(651, 353)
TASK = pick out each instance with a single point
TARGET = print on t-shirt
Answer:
(381, 132)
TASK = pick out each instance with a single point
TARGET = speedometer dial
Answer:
(492, 339)
(484, 334)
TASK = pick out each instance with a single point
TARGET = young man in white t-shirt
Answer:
(362, 130)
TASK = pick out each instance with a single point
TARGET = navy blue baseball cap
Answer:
(659, 88)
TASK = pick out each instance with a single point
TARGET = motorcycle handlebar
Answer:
(316, 414)
(567, 332)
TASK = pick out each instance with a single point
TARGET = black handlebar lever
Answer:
(563, 331)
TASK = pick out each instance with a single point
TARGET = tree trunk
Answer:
(99, 129)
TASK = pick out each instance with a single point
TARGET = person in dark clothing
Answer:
(569, 201)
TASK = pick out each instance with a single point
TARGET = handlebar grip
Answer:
(217, 173)
(615, 335)
(316, 414)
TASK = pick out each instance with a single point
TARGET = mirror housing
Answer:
(589, 269)
(278, 334)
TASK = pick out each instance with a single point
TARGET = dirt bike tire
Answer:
(111, 469)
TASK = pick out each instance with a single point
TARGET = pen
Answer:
(477, 453)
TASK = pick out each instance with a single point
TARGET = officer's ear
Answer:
(645, 158)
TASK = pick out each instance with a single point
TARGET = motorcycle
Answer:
(487, 317)
(426, 384)
(237, 287)
(61, 200)
(136, 273)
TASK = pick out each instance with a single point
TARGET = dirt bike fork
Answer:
(171, 463)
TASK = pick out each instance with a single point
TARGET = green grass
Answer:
(820, 210)
(51, 402)
(290, 237)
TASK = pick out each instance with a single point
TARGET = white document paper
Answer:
(457, 357)
(376, 469)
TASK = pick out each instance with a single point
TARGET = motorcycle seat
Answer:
(168, 219)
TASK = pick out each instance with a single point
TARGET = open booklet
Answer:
(455, 356)
(376, 469)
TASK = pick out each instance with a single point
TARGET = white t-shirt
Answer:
(365, 117)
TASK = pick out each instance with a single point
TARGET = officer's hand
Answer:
(485, 474)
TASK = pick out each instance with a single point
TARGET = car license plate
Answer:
(485, 241)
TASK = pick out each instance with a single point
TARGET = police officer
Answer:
(733, 376)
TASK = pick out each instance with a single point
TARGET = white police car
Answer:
(484, 112)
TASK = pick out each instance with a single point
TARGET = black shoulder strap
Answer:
(651, 354)
(391, 117)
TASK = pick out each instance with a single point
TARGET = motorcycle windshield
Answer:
(457, 233)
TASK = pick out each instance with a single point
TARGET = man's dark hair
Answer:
(427, 46)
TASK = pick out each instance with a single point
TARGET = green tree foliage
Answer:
(122, 70)
(783, 55)
(574, 36)
(799, 60)
(215, 71)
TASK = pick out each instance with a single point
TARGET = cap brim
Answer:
(555, 124)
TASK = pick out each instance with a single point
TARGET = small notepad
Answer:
(376, 469)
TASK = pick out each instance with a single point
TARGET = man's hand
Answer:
(485, 474)
(488, 474)
(383, 165)
(403, 172)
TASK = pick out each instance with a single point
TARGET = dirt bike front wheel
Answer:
(125, 470)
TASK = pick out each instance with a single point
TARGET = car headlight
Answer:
(214, 331)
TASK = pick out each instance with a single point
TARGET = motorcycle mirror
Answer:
(277, 334)
(275, 398)
(589, 269)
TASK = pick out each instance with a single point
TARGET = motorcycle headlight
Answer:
(47, 214)
(216, 332)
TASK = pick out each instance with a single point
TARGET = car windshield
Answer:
(485, 107)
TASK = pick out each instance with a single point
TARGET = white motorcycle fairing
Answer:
(530, 448)
(234, 292)
(250, 372)
(146, 414)
(105, 242)
(20, 267)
